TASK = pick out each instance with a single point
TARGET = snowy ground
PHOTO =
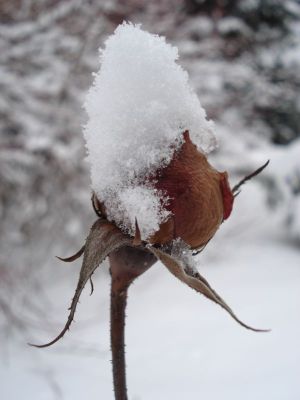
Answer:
(179, 345)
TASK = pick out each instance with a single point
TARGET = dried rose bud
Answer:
(146, 138)
(199, 198)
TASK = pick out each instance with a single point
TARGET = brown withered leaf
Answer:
(194, 280)
(104, 238)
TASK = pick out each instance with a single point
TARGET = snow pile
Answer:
(138, 107)
(141, 202)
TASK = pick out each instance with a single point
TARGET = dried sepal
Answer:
(186, 274)
(104, 238)
(74, 256)
(137, 240)
(92, 285)
(236, 188)
(96, 205)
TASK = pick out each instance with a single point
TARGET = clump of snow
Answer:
(138, 107)
(145, 204)
(184, 255)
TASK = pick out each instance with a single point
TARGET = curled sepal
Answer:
(104, 238)
(186, 274)
(74, 256)
(236, 188)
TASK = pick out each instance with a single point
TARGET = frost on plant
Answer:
(138, 107)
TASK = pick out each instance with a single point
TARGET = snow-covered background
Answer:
(243, 58)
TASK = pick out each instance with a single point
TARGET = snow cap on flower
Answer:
(138, 107)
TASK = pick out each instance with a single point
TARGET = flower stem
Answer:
(126, 264)
(117, 328)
